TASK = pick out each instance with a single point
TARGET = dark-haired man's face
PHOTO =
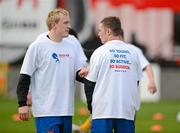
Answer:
(102, 33)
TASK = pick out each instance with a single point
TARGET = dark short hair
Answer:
(122, 33)
(114, 24)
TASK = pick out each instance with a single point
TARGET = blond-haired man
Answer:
(50, 66)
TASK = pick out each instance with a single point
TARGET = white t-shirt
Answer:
(115, 67)
(52, 67)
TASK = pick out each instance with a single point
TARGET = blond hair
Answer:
(54, 16)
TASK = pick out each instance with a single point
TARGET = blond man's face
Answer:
(63, 26)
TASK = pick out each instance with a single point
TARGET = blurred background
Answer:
(152, 25)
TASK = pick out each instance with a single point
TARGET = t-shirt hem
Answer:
(49, 115)
(90, 79)
(112, 117)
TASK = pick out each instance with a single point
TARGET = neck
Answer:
(54, 37)
(115, 38)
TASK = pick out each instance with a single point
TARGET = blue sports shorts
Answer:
(110, 125)
(54, 124)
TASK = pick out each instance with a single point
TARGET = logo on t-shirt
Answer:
(55, 57)
(119, 60)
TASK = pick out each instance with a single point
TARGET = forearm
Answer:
(22, 89)
(151, 83)
(89, 89)
(149, 72)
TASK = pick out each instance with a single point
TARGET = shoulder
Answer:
(135, 48)
(41, 38)
(99, 49)
(71, 39)
(98, 52)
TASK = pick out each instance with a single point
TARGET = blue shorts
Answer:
(110, 125)
(54, 124)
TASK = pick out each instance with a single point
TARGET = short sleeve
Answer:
(29, 63)
(94, 67)
(81, 59)
(143, 61)
(139, 65)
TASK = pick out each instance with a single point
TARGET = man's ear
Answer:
(53, 25)
(109, 31)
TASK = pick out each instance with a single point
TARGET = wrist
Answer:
(22, 103)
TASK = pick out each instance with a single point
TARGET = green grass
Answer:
(7, 125)
(144, 119)
(168, 109)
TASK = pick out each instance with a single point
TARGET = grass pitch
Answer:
(153, 117)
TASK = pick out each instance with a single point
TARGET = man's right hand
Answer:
(84, 72)
(23, 113)
(152, 87)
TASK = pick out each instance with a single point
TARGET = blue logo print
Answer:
(55, 57)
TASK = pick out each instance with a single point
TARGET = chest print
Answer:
(58, 57)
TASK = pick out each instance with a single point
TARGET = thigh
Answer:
(101, 126)
(124, 126)
(67, 124)
(48, 124)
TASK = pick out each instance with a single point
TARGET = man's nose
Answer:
(69, 25)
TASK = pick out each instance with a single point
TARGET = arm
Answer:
(151, 83)
(89, 89)
(22, 92)
(145, 66)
